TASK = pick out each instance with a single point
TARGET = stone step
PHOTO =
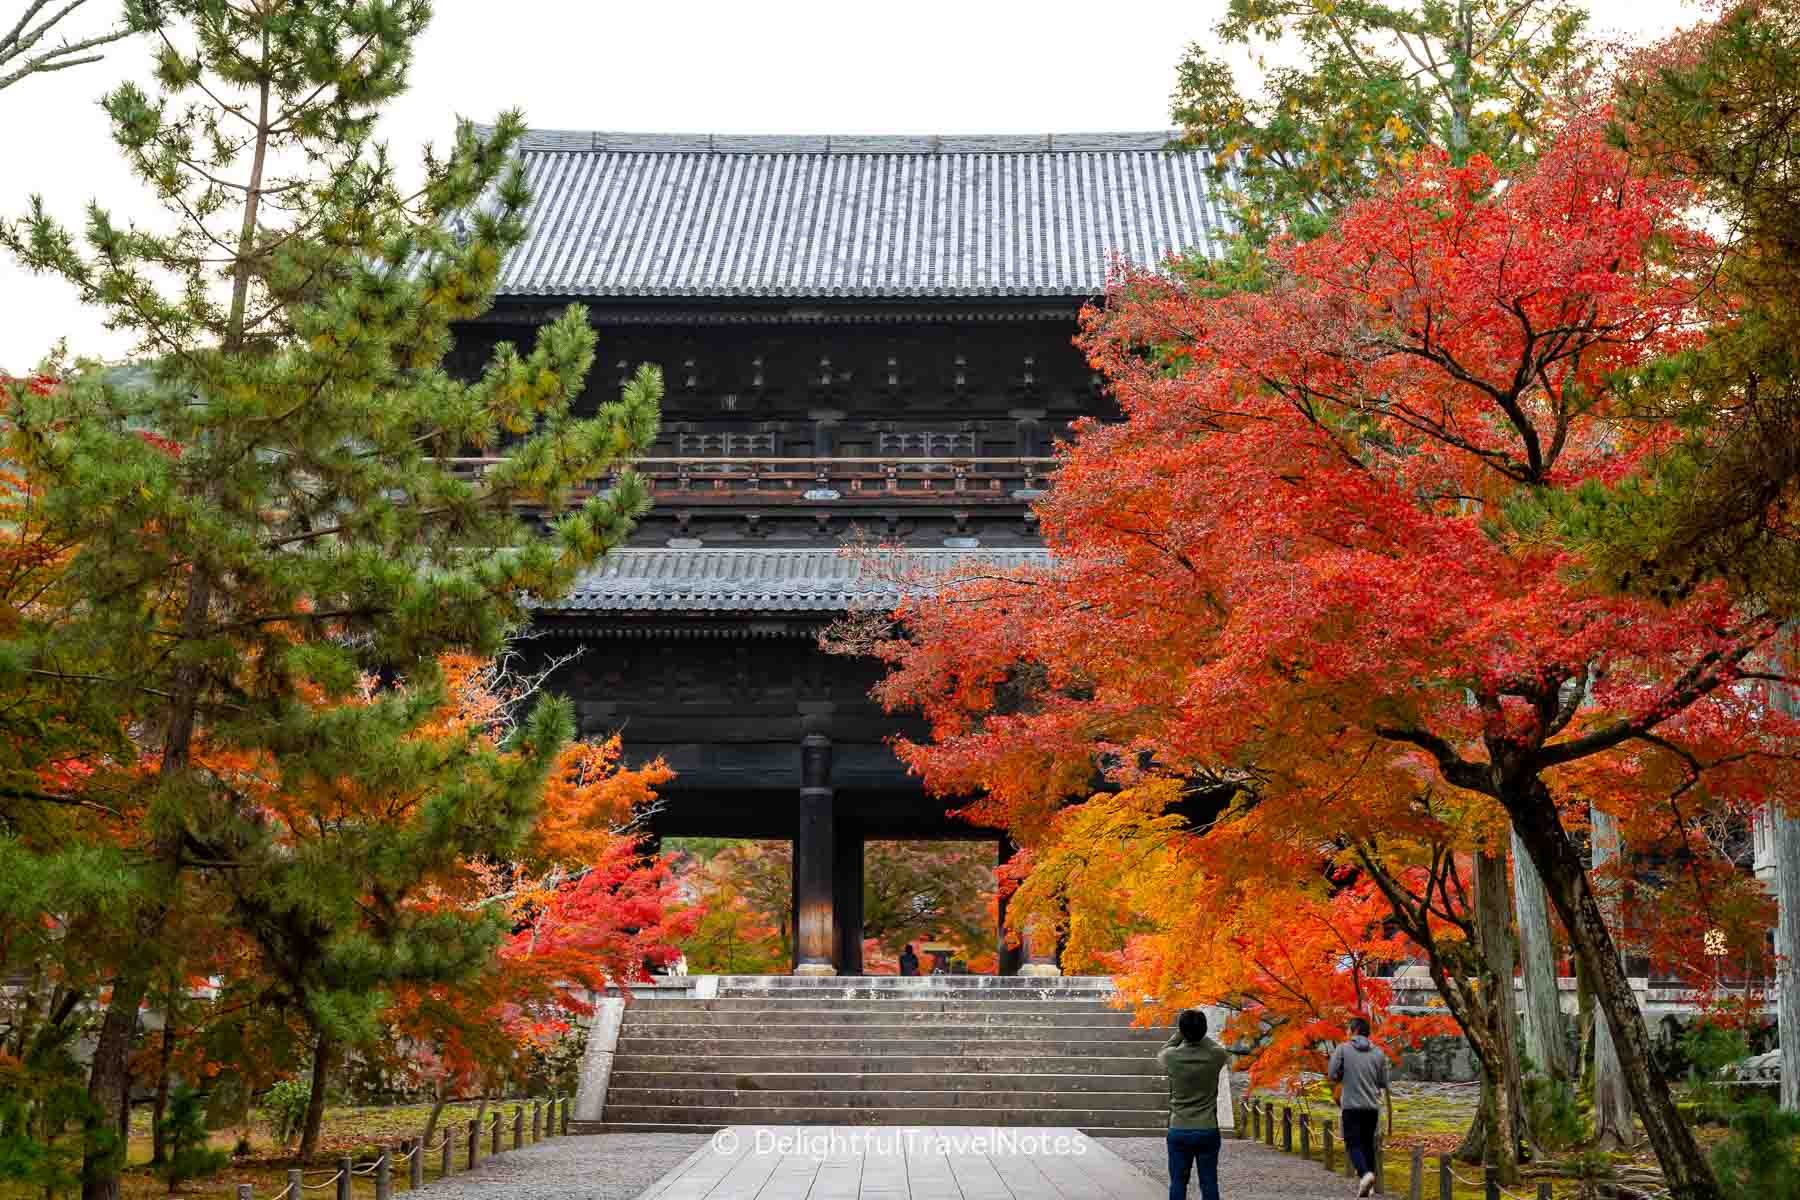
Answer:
(812, 1003)
(874, 1028)
(1095, 983)
(1098, 1118)
(806, 1063)
(857, 1042)
(699, 1077)
(882, 1098)
(592, 1127)
(654, 1017)
(979, 995)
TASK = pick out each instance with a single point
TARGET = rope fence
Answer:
(532, 1121)
(1292, 1130)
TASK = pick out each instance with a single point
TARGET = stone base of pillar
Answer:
(1033, 970)
(816, 970)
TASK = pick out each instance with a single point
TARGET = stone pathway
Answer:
(792, 1162)
(687, 1166)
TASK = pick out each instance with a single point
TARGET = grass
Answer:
(1431, 1120)
(358, 1133)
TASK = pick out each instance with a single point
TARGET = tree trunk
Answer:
(315, 1103)
(1612, 1101)
(159, 1142)
(438, 1101)
(1786, 835)
(1584, 1029)
(1544, 1042)
(109, 1083)
(1560, 866)
(1493, 934)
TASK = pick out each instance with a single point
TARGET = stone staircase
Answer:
(881, 1050)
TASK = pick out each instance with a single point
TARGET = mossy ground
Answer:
(1433, 1117)
(355, 1132)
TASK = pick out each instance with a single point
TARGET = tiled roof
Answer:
(668, 216)
(764, 580)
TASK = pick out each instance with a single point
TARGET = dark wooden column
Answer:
(847, 894)
(1011, 958)
(815, 845)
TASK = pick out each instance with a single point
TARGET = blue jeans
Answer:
(1196, 1150)
(1360, 1125)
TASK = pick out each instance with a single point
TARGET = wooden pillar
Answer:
(815, 845)
(847, 893)
(1011, 958)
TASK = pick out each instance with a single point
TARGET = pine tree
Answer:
(25, 51)
(272, 517)
(189, 1155)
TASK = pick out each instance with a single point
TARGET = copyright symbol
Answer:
(725, 1142)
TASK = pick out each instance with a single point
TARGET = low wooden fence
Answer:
(1296, 1131)
(547, 1119)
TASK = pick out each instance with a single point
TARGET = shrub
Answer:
(1757, 1161)
(185, 1130)
(284, 1109)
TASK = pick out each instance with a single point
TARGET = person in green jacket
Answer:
(1193, 1062)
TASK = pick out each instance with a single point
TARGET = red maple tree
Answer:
(1319, 563)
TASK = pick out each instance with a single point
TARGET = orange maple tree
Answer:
(1317, 573)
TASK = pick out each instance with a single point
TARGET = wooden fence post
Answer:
(563, 1127)
(518, 1126)
(415, 1166)
(1305, 1134)
(294, 1188)
(1255, 1121)
(1269, 1123)
(1492, 1178)
(444, 1167)
(384, 1178)
(1415, 1175)
(345, 1166)
(494, 1135)
(1325, 1141)
(1380, 1165)
(243, 1191)
(474, 1142)
(537, 1120)
(1287, 1129)
(1544, 1190)
(1446, 1182)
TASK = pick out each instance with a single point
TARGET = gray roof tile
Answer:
(764, 580)
(667, 216)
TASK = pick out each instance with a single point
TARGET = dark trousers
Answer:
(1194, 1150)
(1360, 1125)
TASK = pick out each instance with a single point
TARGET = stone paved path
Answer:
(686, 1166)
(958, 1163)
(918, 1163)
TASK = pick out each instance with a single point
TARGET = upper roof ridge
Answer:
(835, 143)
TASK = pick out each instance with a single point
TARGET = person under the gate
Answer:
(909, 962)
(1193, 1062)
(1360, 1067)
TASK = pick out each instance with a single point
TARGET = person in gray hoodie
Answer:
(1361, 1069)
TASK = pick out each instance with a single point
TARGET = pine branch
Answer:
(24, 36)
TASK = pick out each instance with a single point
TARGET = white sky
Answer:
(690, 66)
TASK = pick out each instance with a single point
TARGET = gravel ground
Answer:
(1247, 1171)
(605, 1166)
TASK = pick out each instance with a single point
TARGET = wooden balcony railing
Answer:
(800, 480)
